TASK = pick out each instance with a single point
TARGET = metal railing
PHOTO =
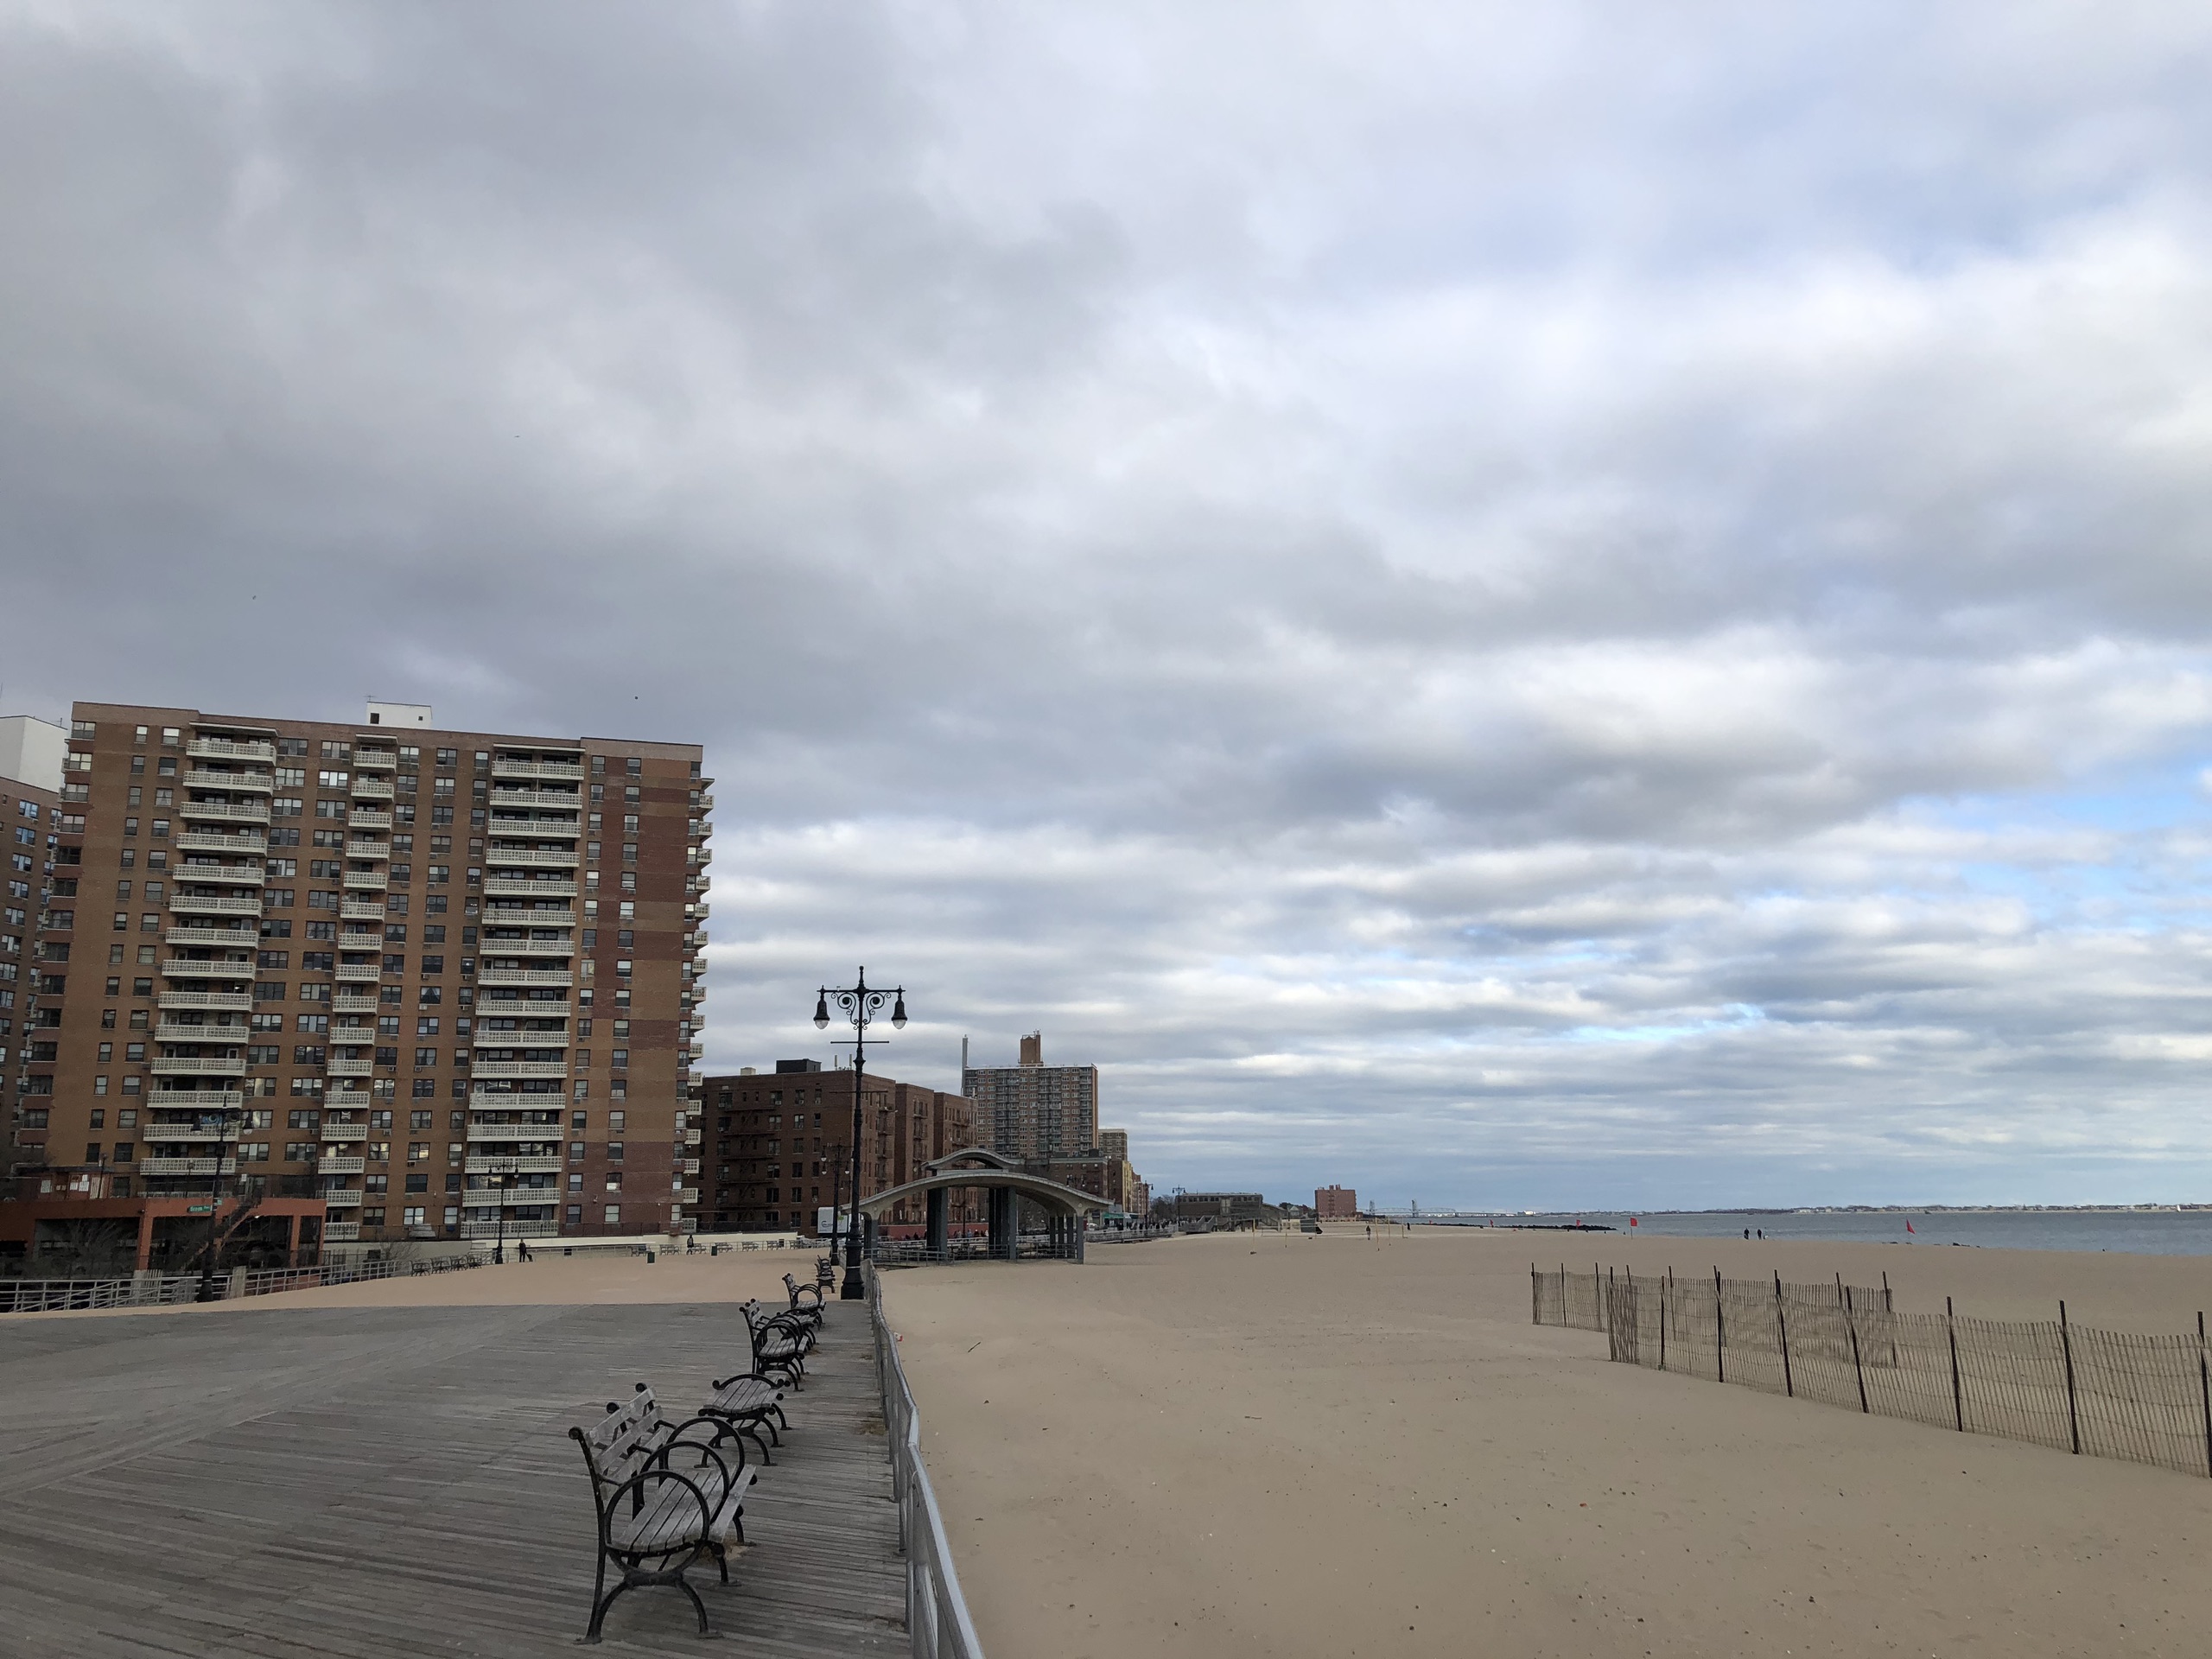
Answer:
(937, 1625)
(157, 1290)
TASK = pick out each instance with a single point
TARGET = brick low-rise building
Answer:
(781, 1144)
(431, 977)
(1335, 1203)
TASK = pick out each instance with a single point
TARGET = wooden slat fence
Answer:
(2074, 1387)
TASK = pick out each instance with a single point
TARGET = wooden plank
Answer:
(324, 1482)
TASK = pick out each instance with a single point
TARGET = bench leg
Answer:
(601, 1604)
(684, 1584)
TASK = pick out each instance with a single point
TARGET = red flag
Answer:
(1631, 1221)
(1908, 1226)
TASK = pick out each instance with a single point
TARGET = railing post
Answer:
(1782, 1324)
(1958, 1394)
(2073, 1414)
(1720, 1332)
(1850, 1323)
(2204, 1383)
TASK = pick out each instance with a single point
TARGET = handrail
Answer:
(937, 1625)
(156, 1290)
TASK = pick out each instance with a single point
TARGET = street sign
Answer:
(199, 1209)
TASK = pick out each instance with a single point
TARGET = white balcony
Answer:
(690, 1165)
(353, 1002)
(206, 1002)
(163, 1134)
(532, 858)
(358, 973)
(216, 936)
(342, 1198)
(698, 912)
(252, 875)
(549, 977)
(508, 766)
(345, 1131)
(216, 904)
(687, 1195)
(258, 783)
(513, 1229)
(226, 811)
(375, 759)
(340, 1164)
(187, 1167)
(186, 968)
(361, 910)
(341, 1068)
(368, 818)
(340, 1232)
(200, 1066)
(521, 1164)
(505, 1132)
(196, 1101)
(169, 1032)
(705, 804)
(691, 1136)
(507, 1071)
(358, 880)
(342, 1099)
(520, 1039)
(231, 748)
(368, 849)
(371, 789)
(494, 1197)
(244, 844)
(556, 800)
(517, 916)
(526, 886)
(559, 947)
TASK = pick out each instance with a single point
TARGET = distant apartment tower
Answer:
(30, 822)
(782, 1143)
(1038, 1113)
(441, 976)
(1335, 1203)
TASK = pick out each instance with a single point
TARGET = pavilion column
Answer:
(938, 1204)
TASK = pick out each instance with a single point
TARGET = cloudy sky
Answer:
(1575, 606)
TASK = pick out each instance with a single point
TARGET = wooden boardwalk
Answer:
(399, 1481)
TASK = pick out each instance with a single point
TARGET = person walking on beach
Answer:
(1371, 1230)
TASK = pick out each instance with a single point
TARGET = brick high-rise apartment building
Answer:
(30, 821)
(449, 974)
(1038, 1113)
(783, 1138)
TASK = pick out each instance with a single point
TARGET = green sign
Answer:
(199, 1209)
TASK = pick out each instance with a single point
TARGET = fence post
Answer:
(1958, 1397)
(1562, 1295)
(1888, 1309)
(1665, 1285)
(1781, 1323)
(1535, 1297)
(1850, 1323)
(2073, 1414)
(1720, 1332)
(2204, 1383)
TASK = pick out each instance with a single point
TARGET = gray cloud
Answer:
(1527, 608)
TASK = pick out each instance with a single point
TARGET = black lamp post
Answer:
(499, 1184)
(231, 1116)
(859, 1003)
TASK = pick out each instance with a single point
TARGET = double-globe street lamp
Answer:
(860, 1003)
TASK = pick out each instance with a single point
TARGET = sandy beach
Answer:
(1281, 1445)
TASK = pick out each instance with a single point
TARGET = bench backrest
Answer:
(621, 1444)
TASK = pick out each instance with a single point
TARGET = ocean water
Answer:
(2163, 1232)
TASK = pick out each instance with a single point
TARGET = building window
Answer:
(613, 1215)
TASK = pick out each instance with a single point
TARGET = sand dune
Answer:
(1290, 1446)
